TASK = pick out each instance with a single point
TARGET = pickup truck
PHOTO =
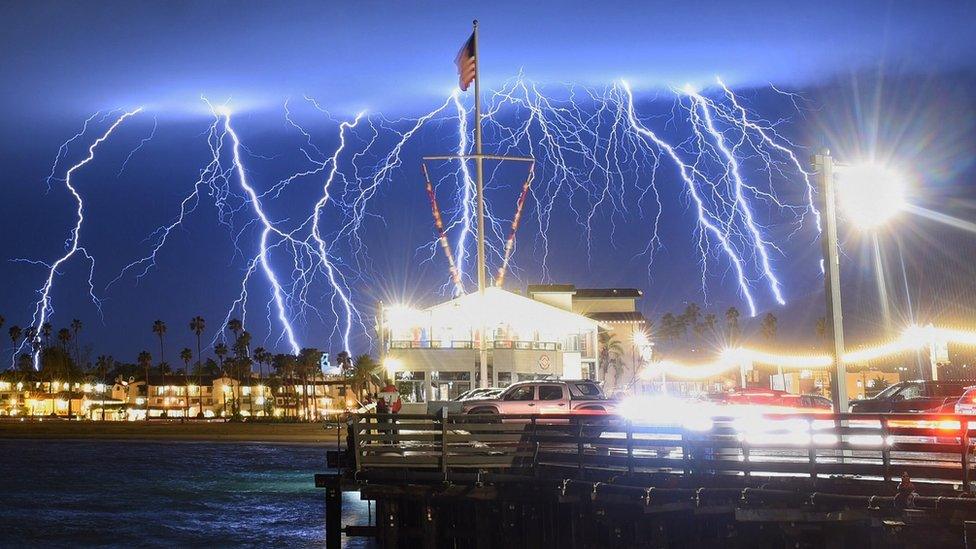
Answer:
(545, 397)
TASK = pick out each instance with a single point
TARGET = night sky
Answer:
(893, 80)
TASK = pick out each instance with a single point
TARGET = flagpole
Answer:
(479, 161)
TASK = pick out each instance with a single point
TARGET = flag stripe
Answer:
(466, 64)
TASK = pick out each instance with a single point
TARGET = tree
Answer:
(2, 321)
(75, 328)
(46, 330)
(145, 361)
(221, 351)
(692, 314)
(668, 327)
(308, 364)
(768, 327)
(365, 372)
(15, 332)
(102, 365)
(159, 328)
(732, 324)
(262, 357)
(610, 352)
(186, 355)
(197, 326)
(709, 321)
(822, 328)
(242, 363)
(236, 326)
(284, 367)
(64, 336)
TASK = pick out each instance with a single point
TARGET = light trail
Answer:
(43, 307)
(911, 339)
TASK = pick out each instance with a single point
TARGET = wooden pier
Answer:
(783, 480)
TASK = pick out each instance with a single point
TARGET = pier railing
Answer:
(932, 447)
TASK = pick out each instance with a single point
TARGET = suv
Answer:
(913, 396)
(545, 397)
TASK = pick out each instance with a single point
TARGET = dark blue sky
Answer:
(896, 74)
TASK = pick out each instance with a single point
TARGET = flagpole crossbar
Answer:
(481, 156)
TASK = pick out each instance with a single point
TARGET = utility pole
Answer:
(823, 165)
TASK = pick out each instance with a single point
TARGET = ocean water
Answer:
(163, 494)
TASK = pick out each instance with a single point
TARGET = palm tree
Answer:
(235, 325)
(769, 332)
(186, 355)
(197, 326)
(242, 351)
(221, 351)
(145, 360)
(732, 324)
(102, 364)
(159, 328)
(769, 326)
(692, 314)
(284, 367)
(308, 364)
(668, 327)
(822, 328)
(262, 357)
(75, 328)
(710, 321)
(2, 321)
(610, 352)
(366, 372)
(64, 336)
(46, 330)
(15, 332)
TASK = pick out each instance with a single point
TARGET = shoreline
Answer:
(292, 433)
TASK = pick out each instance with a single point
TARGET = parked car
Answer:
(773, 398)
(545, 397)
(967, 402)
(914, 396)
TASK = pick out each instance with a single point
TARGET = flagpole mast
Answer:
(479, 161)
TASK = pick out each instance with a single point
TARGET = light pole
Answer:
(870, 194)
(823, 165)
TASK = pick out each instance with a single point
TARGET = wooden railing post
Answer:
(444, 442)
(964, 426)
(630, 446)
(885, 451)
(579, 446)
(356, 450)
(812, 451)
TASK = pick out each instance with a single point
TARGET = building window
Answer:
(449, 385)
(504, 379)
(411, 386)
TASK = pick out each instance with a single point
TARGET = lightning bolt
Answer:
(268, 230)
(43, 307)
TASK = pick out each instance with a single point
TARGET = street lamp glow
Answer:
(870, 193)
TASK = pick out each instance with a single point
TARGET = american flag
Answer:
(466, 64)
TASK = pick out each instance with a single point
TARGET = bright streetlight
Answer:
(870, 193)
